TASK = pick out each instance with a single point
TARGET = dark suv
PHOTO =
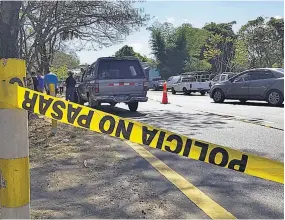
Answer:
(113, 80)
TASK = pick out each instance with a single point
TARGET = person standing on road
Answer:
(35, 81)
(70, 83)
(51, 78)
(61, 85)
(41, 82)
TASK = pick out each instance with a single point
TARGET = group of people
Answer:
(42, 81)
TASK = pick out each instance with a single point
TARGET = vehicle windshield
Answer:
(120, 69)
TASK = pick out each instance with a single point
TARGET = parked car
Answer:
(188, 84)
(264, 84)
(156, 83)
(221, 78)
(113, 80)
(171, 80)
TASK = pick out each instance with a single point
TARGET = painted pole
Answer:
(53, 122)
(14, 148)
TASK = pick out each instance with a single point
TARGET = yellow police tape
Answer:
(98, 121)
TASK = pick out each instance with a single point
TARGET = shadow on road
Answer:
(259, 104)
(120, 112)
(184, 123)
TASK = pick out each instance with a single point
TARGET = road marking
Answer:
(205, 203)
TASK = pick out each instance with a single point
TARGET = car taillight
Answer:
(97, 87)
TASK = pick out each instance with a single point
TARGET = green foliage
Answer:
(62, 62)
(264, 40)
(216, 47)
(129, 51)
(240, 61)
(61, 71)
(61, 58)
(219, 46)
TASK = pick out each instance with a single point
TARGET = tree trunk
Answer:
(9, 29)
(14, 150)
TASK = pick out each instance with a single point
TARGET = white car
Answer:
(188, 84)
(171, 80)
(221, 78)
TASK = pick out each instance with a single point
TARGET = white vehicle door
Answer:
(177, 85)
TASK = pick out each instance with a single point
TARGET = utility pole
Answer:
(14, 146)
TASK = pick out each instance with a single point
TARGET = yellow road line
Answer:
(205, 203)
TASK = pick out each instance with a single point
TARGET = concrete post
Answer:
(14, 148)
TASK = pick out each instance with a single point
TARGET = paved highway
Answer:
(237, 194)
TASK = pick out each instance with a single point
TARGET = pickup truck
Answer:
(188, 84)
(221, 78)
(113, 80)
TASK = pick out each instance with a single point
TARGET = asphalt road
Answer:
(245, 197)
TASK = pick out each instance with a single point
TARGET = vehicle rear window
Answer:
(120, 69)
(278, 74)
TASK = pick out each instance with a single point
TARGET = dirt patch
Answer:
(82, 174)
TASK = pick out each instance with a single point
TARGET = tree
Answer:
(196, 38)
(219, 47)
(264, 40)
(13, 123)
(47, 25)
(125, 51)
(129, 51)
(169, 46)
(158, 46)
(240, 61)
(62, 58)
(9, 29)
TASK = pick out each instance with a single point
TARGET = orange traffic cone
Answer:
(164, 95)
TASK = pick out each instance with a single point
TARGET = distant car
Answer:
(221, 78)
(189, 83)
(156, 83)
(171, 80)
(263, 84)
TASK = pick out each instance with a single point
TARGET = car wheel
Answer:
(133, 106)
(202, 92)
(275, 98)
(243, 101)
(173, 91)
(218, 96)
(92, 104)
(185, 91)
(154, 88)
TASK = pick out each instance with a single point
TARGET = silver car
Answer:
(113, 80)
(156, 83)
(263, 84)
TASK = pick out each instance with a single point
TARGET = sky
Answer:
(196, 13)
